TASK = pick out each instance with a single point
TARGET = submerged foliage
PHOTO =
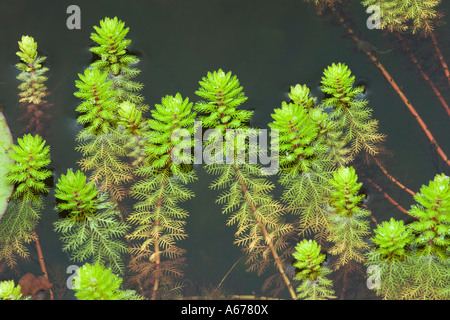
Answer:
(27, 172)
(91, 230)
(433, 228)
(247, 197)
(305, 165)
(159, 221)
(416, 16)
(348, 224)
(311, 272)
(349, 113)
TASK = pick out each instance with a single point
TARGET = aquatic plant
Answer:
(159, 221)
(429, 262)
(432, 230)
(9, 291)
(135, 128)
(350, 114)
(391, 247)
(91, 229)
(339, 16)
(100, 143)
(247, 198)
(348, 224)
(27, 173)
(95, 282)
(311, 272)
(116, 60)
(98, 110)
(33, 90)
(412, 260)
(305, 140)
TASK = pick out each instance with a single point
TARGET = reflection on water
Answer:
(270, 47)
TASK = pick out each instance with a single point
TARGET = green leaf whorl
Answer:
(345, 199)
(98, 109)
(28, 172)
(337, 83)
(76, 196)
(309, 260)
(168, 120)
(433, 228)
(95, 282)
(223, 95)
(391, 239)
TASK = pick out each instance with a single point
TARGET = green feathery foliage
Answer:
(310, 271)
(95, 282)
(349, 113)
(428, 278)
(429, 261)
(135, 128)
(298, 132)
(101, 143)
(159, 221)
(9, 291)
(98, 109)
(347, 220)
(91, 229)
(76, 196)
(417, 16)
(104, 156)
(27, 172)
(433, 228)
(392, 16)
(305, 165)
(32, 88)
(116, 61)
(391, 240)
(222, 96)
(261, 230)
(391, 243)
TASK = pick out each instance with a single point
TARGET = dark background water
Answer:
(270, 46)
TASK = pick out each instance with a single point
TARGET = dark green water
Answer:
(269, 45)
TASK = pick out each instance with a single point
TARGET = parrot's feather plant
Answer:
(33, 91)
(348, 223)
(28, 173)
(350, 113)
(96, 282)
(391, 241)
(90, 226)
(101, 142)
(114, 58)
(157, 262)
(413, 260)
(430, 261)
(260, 228)
(306, 165)
(315, 284)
